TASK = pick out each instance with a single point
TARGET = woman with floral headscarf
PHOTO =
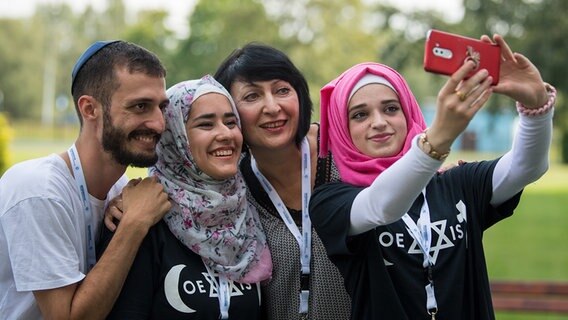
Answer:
(408, 241)
(206, 258)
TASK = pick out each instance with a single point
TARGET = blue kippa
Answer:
(94, 48)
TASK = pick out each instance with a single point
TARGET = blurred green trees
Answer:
(217, 28)
(323, 37)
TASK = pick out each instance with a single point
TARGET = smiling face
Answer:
(134, 121)
(269, 112)
(215, 140)
(377, 124)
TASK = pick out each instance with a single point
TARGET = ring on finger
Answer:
(461, 95)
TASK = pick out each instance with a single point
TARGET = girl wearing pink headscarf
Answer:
(408, 241)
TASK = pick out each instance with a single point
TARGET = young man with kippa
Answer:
(52, 207)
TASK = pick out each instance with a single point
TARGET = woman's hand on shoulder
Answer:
(113, 213)
(519, 78)
(114, 209)
(313, 137)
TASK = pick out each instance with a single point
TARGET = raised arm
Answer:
(528, 158)
(400, 184)
(397, 186)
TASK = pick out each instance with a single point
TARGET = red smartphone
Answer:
(444, 53)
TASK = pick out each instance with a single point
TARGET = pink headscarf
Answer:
(355, 167)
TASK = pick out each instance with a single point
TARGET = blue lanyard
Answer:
(303, 238)
(87, 210)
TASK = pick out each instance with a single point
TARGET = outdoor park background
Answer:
(323, 38)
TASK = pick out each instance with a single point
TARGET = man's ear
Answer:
(89, 108)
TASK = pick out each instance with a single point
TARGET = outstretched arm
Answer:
(400, 184)
(398, 187)
(528, 158)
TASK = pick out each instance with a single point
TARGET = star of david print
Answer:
(214, 286)
(443, 242)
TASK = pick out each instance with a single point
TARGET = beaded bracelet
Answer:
(542, 110)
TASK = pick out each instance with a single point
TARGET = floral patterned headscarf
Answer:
(355, 167)
(211, 217)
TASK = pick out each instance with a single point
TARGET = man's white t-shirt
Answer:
(43, 237)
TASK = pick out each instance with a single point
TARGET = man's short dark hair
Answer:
(97, 76)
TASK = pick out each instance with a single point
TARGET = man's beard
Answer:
(115, 142)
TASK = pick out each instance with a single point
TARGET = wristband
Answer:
(521, 109)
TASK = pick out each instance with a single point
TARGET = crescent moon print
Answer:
(171, 288)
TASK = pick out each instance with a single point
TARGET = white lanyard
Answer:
(422, 233)
(304, 238)
(223, 293)
(87, 210)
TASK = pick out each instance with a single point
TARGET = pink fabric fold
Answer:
(355, 167)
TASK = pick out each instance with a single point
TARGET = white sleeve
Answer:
(527, 160)
(392, 193)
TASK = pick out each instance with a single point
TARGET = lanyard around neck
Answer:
(223, 293)
(85, 200)
(422, 234)
(303, 238)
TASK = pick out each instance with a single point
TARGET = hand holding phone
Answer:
(445, 52)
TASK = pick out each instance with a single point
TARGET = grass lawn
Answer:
(531, 244)
(528, 246)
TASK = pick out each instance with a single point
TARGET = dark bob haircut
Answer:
(259, 62)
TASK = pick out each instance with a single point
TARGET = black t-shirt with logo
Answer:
(383, 268)
(169, 281)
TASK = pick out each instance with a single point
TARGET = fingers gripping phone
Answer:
(445, 53)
